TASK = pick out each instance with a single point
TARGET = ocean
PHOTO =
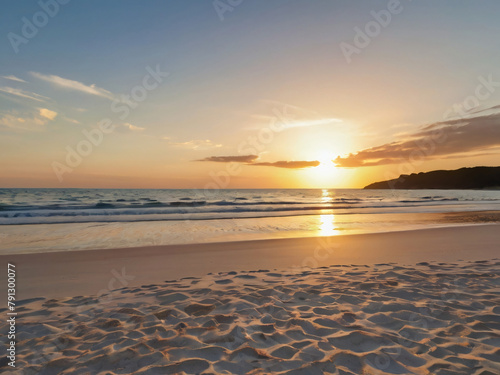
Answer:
(67, 219)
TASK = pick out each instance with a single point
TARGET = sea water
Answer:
(66, 219)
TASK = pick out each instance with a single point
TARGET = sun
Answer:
(326, 174)
(325, 158)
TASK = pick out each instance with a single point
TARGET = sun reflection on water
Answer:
(327, 225)
(325, 196)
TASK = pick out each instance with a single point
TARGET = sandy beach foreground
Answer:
(415, 302)
(429, 318)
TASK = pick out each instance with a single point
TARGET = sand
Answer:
(430, 318)
(63, 274)
(400, 303)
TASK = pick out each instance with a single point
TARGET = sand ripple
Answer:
(432, 318)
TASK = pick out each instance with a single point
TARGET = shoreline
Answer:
(87, 272)
(43, 238)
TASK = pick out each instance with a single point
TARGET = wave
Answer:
(18, 206)
(334, 203)
(187, 212)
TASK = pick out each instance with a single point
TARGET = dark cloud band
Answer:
(440, 139)
(249, 160)
(290, 164)
(229, 159)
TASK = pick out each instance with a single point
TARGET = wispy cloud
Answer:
(27, 122)
(72, 120)
(494, 108)
(229, 159)
(197, 144)
(14, 78)
(305, 123)
(133, 127)
(74, 85)
(290, 164)
(290, 116)
(286, 123)
(437, 140)
(23, 94)
(47, 113)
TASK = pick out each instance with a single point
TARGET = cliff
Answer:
(464, 178)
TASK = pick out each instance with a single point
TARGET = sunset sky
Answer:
(258, 95)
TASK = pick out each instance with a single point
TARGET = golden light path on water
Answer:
(327, 222)
(327, 226)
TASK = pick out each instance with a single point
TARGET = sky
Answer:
(245, 94)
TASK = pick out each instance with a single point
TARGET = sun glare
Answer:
(326, 174)
(327, 225)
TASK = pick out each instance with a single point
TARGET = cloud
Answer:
(23, 94)
(487, 109)
(287, 121)
(305, 123)
(14, 78)
(290, 164)
(229, 159)
(249, 160)
(198, 144)
(290, 116)
(133, 127)
(27, 122)
(74, 85)
(72, 120)
(437, 140)
(47, 113)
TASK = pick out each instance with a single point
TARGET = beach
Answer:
(417, 302)
(249, 187)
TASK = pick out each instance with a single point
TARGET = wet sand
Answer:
(63, 274)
